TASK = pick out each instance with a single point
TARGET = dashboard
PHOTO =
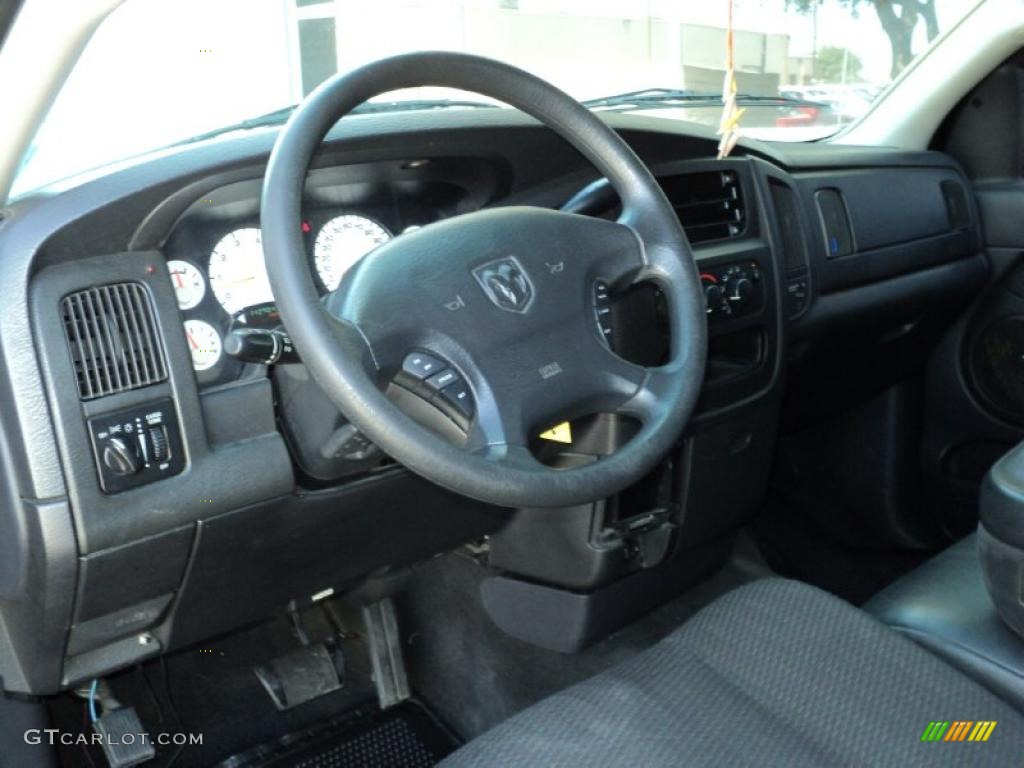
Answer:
(157, 490)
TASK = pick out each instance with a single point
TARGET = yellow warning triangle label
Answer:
(560, 433)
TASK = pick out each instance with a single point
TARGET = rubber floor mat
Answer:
(406, 736)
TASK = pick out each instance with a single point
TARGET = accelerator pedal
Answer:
(389, 676)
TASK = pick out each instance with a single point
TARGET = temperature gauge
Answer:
(189, 284)
(204, 344)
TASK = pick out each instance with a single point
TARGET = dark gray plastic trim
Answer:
(215, 479)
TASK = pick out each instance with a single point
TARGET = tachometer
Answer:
(189, 283)
(238, 274)
(204, 344)
(341, 242)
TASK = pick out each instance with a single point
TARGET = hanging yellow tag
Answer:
(560, 433)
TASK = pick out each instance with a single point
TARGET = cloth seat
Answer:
(773, 673)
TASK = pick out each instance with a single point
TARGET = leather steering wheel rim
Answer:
(346, 342)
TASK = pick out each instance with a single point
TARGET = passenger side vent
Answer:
(112, 336)
(709, 204)
(790, 232)
(957, 212)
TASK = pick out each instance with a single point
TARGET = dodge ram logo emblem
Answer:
(506, 283)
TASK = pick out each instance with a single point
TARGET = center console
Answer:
(567, 577)
(1001, 537)
(965, 604)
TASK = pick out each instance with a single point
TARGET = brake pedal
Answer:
(122, 738)
(304, 674)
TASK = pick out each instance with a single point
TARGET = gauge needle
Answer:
(191, 340)
(178, 280)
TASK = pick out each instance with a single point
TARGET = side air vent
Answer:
(790, 232)
(111, 333)
(957, 212)
(709, 204)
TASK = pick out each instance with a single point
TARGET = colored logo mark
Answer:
(958, 730)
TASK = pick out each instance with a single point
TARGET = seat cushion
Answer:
(773, 673)
(945, 606)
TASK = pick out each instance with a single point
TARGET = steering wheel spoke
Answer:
(500, 436)
(510, 455)
(621, 387)
(647, 404)
(355, 342)
(610, 380)
(616, 252)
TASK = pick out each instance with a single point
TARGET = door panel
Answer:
(974, 408)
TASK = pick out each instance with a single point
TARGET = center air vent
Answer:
(111, 333)
(709, 204)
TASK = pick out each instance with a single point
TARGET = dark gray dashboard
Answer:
(90, 580)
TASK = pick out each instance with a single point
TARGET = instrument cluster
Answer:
(220, 277)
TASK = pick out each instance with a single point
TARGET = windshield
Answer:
(159, 72)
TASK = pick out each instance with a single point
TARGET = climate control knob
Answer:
(713, 295)
(740, 289)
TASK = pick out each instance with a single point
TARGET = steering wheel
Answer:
(505, 299)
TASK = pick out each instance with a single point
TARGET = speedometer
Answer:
(341, 242)
(238, 274)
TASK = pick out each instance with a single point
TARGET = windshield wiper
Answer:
(410, 105)
(668, 98)
(280, 116)
(277, 117)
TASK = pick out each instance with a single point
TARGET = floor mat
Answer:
(474, 676)
(406, 736)
(212, 690)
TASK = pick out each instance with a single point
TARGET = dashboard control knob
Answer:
(120, 457)
(713, 295)
(158, 439)
(740, 289)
